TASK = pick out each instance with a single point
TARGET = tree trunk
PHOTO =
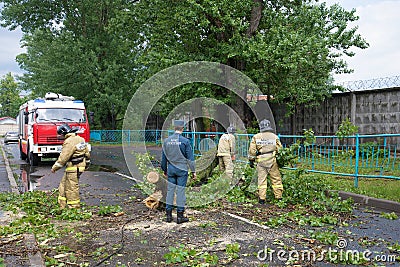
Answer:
(241, 106)
(255, 18)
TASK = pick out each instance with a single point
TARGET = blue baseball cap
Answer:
(179, 123)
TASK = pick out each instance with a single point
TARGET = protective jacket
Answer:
(74, 154)
(226, 145)
(264, 146)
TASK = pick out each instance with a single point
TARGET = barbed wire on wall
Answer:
(378, 83)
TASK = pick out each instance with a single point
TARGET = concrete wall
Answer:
(373, 111)
(378, 112)
(8, 128)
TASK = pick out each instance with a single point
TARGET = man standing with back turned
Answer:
(263, 148)
(177, 157)
(226, 151)
(74, 155)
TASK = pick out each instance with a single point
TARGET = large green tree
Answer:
(289, 48)
(10, 99)
(70, 51)
(101, 51)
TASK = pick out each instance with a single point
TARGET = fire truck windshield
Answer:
(60, 114)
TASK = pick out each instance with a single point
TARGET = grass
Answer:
(372, 187)
(348, 166)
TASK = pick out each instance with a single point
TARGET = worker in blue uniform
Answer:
(177, 159)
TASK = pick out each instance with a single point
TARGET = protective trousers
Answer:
(263, 169)
(226, 164)
(69, 191)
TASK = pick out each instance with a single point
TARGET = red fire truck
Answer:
(38, 120)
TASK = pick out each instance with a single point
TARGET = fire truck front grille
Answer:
(47, 140)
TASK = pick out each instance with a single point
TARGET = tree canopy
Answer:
(10, 99)
(102, 51)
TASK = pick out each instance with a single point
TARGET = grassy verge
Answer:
(378, 188)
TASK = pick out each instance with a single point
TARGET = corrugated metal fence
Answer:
(373, 156)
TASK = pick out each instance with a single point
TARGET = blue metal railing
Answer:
(373, 156)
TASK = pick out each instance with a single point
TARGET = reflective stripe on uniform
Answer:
(223, 154)
(81, 169)
(73, 202)
(62, 198)
(264, 186)
(264, 158)
(279, 186)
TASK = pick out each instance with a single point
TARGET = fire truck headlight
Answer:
(42, 149)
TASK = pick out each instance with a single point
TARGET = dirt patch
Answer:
(146, 238)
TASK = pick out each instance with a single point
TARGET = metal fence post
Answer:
(312, 157)
(357, 158)
(157, 137)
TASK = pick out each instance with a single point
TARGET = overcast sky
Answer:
(9, 49)
(378, 24)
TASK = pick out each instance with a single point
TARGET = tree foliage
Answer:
(346, 128)
(288, 47)
(10, 100)
(102, 51)
(69, 51)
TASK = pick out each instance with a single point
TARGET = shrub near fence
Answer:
(374, 156)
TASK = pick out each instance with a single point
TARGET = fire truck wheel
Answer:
(33, 159)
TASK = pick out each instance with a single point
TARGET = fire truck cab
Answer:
(38, 120)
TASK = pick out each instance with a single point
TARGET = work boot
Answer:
(261, 201)
(181, 218)
(169, 216)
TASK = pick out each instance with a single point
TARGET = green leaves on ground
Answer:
(311, 191)
(107, 210)
(189, 257)
(311, 205)
(37, 209)
(232, 251)
(390, 216)
(305, 199)
(325, 237)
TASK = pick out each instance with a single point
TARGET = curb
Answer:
(10, 175)
(383, 204)
(35, 257)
